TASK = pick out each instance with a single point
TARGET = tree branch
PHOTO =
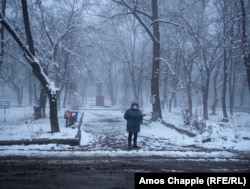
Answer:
(34, 63)
(134, 12)
(16, 37)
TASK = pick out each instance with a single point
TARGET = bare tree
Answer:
(207, 46)
(133, 55)
(154, 34)
(9, 75)
(42, 99)
(3, 6)
(215, 89)
(226, 49)
(245, 48)
(51, 91)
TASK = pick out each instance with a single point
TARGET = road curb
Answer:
(72, 142)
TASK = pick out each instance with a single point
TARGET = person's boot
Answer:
(135, 144)
(129, 140)
(129, 145)
(135, 141)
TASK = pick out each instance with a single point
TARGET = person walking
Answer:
(134, 119)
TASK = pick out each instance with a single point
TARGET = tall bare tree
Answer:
(40, 109)
(155, 37)
(31, 58)
(3, 6)
(245, 48)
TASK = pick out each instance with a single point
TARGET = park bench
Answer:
(4, 104)
(70, 117)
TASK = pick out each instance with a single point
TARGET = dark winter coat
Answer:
(134, 119)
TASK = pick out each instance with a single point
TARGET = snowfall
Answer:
(103, 133)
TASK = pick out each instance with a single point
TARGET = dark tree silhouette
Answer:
(35, 65)
(246, 53)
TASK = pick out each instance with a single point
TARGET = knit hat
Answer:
(134, 104)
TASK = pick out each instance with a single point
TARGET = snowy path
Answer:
(105, 132)
(108, 132)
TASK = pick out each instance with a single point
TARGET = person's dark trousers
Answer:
(130, 139)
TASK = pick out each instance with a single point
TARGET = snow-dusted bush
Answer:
(198, 123)
(186, 116)
(219, 131)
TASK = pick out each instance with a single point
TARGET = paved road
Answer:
(101, 172)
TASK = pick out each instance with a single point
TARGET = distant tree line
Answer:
(170, 53)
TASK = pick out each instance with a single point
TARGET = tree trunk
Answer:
(65, 96)
(30, 88)
(111, 86)
(165, 86)
(53, 113)
(132, 75)
(189, 95)
(18, 90)
(232, 81)
(42, 102)
(246, 54)
(188, 71)
(27, 27)
(156, 63)
(132, 68)
(31, 47)
(39, 73)
(36, 67)
(247, 62)
(2, 35)
(231, 94)
(171, 101)
(155, 37)
(205, 89)
(242, 93)
(224, 89)
(215, 90)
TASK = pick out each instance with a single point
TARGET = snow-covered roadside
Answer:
(67, 151)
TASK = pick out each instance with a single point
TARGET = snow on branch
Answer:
(169, 66)
(11, 30)
(32, 60)
(123, 3)
(76, 55)
(136, 13)
(142, 72)
(167, 22)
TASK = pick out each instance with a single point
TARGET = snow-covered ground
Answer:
(103, 133)
(17, 123)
